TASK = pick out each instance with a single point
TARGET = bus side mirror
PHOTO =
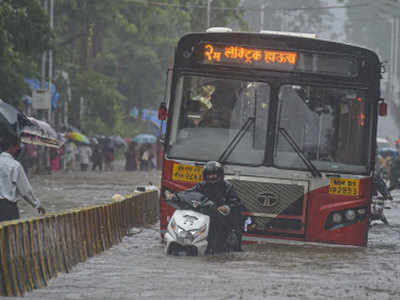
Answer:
(162, 111)
(382, 109)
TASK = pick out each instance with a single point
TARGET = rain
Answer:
(109, 98)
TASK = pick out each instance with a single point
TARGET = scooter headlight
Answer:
(173, 225)
(179, 232)
(198, 232)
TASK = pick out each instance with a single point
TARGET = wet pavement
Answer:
(69, 190)
(137, 268)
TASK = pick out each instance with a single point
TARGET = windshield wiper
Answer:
(236, 139)
(314, 171)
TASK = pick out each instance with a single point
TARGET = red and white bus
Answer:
(293, 120)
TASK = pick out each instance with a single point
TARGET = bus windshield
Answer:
(330, 126)
(211, 113)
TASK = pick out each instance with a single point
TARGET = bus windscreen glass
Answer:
(270, 59)
(330, 126)
(211, 113)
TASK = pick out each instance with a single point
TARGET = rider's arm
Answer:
(381, 186)
(232, 200)
(196, 188)
(232, 197)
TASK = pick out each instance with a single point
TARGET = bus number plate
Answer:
(344, 186)
(187, 173)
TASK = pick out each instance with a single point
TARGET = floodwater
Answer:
(69, 190)
(137, 268)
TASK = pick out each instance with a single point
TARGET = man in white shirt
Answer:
(85, 152)
(13, 181)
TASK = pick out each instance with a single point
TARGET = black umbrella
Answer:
(119, 142)
(12, 120)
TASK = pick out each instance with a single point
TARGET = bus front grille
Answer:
(268, 200)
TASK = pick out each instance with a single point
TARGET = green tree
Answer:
(24, 35)
(117, 52)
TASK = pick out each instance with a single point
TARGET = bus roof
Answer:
(299, 34)
(293, 40)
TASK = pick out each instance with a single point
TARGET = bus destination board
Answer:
(278, 60)
(250, 57)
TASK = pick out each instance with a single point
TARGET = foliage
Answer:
(100, 97)
(24, 35)
(117, 53)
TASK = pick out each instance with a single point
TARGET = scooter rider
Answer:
(225, 220)
(379, 185)
(225, 216)
(395, 175)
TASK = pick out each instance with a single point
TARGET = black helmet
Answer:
(213, 172)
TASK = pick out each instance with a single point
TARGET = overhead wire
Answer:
(157, 3)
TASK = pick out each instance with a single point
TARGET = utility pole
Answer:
(396, 60)
(65, 75)
(209, 13)
(44, 56)
(262, 15)
(50, 117)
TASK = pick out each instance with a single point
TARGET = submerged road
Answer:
(137, 268)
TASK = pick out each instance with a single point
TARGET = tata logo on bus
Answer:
(187, 173)
(267, 199)
(261, 58)
(344, 186)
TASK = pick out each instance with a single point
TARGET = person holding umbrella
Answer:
(13, 180)
(130, 155)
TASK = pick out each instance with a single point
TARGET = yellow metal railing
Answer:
(33, 251)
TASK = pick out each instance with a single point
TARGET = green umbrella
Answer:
(145, 139)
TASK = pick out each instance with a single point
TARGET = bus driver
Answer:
(220, 114)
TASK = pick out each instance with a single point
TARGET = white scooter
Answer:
(188, 227)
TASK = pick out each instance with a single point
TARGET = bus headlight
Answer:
(350, 215)
(337, 218)
(361, 211)
(346, 217)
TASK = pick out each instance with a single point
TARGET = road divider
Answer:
(35, 250)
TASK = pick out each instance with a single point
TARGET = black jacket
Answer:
(378, 185)
(221, 193)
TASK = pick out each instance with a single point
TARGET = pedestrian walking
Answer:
(70, 151)
(13, 181)
(108, 152)
(84, 155)
(130, 155)
(97, 158)
(146, 158)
